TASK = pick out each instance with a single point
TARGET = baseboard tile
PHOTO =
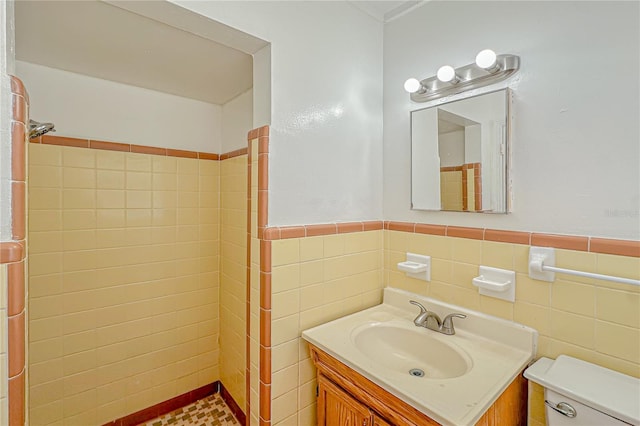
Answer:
(233, 405)
(180, 401)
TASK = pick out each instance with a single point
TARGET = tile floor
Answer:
(209, 411)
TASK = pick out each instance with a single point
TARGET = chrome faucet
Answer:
(432, 321)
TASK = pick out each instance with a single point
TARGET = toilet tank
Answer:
(578, 393)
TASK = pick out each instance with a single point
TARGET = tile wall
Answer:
(451, 189)
(123, 281)
(317, 273)
(315, 279)
(233, 275)
(597, 321)
(461, 187)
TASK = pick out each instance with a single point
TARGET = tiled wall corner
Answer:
(597, 321)
(13, 311)
(258, 396)
(233, 276)
(253, 292)
(123, 281)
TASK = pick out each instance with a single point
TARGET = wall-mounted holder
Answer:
(498, 283)
(542, 261)
(416, 266)
(539, 257)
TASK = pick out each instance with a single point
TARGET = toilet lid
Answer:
(605, 390)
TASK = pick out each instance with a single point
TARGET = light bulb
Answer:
(446, 74)
(486, 59)
(412, 85)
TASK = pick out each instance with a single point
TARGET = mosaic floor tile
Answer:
(209, 411)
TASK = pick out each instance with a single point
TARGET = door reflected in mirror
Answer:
(459, 155)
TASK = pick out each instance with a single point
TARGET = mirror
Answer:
(459, 155)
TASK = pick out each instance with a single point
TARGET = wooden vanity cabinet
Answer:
(347, 398)
(336, 407)
(340, 408)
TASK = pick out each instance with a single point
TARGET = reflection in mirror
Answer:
(459, 158)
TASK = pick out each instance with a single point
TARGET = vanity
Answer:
(375, 367)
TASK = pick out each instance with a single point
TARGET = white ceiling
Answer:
(385, 11)
(111, 40)
(100, 40)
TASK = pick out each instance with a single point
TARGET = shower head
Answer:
(38, 129)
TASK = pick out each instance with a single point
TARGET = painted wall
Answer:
(451, 148)
(237, 120)
(262, 87)
(7, 65)
(123, 281)
(326, 106)
(92, 108)
(575, 136)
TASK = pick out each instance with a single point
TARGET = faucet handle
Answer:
(421, 319)
(418, 304)
(447, 323)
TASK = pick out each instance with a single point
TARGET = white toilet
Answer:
(578, 393)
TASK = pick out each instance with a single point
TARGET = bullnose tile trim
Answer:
(17, 87)
(567, 242)
(464, 232)
(18, 156)
(514, 237)
(233, 154)
(286, 232)
(16, 293)
(17, 399)
(630, 248)
(19, 108)
(137, 149)
(11, 251)
(617, 247)
(598, 245)
(16, 338)
(423, 228)
(18, 208)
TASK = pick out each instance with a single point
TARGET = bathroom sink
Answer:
(416, 351)
(452, 379)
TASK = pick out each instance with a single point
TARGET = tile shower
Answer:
(134, 259)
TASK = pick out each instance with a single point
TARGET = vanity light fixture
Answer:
(447, 74)
(487, 59)
(412, 85)
(488, 68)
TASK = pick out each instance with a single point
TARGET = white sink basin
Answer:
(407, 350)
(464, 373)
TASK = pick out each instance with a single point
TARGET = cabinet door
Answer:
(377, 421)
(338, 408)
